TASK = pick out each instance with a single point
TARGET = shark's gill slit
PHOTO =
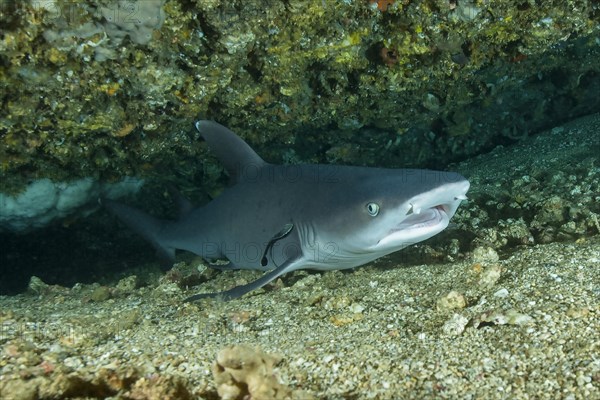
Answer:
(269, 248)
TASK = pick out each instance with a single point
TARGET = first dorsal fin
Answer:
(235, 154)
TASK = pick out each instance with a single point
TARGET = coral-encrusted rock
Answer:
(244, 372)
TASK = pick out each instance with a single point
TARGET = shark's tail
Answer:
(144, 225)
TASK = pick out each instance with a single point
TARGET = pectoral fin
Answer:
(239, 291)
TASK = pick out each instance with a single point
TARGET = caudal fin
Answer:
(144, 225)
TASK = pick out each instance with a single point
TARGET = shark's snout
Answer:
(428, 214)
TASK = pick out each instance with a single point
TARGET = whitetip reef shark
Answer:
(281, 218)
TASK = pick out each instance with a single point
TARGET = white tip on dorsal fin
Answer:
(235, 154)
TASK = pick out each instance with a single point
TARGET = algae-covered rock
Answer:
(107, 88)
(101, 293)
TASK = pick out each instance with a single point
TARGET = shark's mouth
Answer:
(425, 219)
(417, 227)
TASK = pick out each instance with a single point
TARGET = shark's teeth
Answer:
(413, 210)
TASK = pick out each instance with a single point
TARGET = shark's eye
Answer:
(373, 209)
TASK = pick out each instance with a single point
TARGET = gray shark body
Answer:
(280, 218)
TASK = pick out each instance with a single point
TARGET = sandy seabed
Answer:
(519, 323)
